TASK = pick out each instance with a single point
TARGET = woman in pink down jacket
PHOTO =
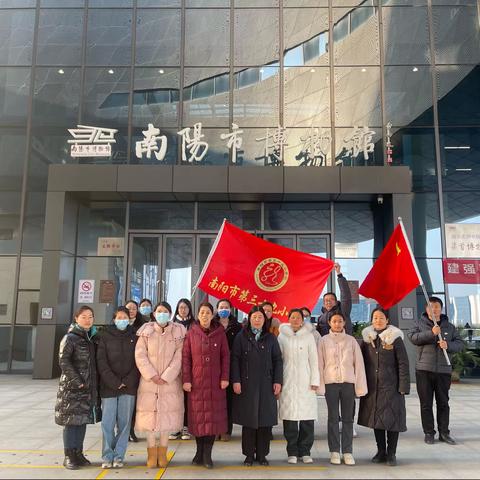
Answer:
(342, 378)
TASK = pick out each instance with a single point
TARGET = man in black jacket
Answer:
(331, 305)
(433, 374)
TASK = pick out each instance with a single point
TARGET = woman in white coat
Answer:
(298, 400)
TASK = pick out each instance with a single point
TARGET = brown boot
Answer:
(162, 457)
(152, 457)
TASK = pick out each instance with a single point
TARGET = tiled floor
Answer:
(31, 444)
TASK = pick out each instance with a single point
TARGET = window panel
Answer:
(16, 36)
(207, 37)
(14, 93)
(406, 35)
(109, 37)
(158, 37)
(60, 37)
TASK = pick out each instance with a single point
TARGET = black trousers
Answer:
(73, 436)
(299, 436)
(382, 437)
(229, 408)
(428, 385)
(256, 440)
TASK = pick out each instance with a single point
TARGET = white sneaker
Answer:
(355, 434)
(117, 464)
(185, 434)
(307, 459)
(174, 436)
(348, 459)
(106, 465)
(335, 458)
(292, 460)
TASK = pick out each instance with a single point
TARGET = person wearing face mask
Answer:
(77, 398)
(146, 309)
(298, 401)
(331, 305)
(136, 320)
(184, 316)
(160, 397)
(119, 377)
(388, 381)
(307, 318)
(232, 328)
(342, 378)
(257, 377)
(205, 371)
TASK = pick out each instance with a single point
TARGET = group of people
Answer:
(171, 375)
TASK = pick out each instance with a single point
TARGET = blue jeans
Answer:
(116, 412)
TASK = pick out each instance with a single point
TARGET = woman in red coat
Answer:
(205, 370)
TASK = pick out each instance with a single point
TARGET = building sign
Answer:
(389, 146)
(91, 141)
(463, 240)
(47, 313)
(86, 291)
(346, 250)
(461, 271)
(110, 246)
(313, 149)
(107, 291)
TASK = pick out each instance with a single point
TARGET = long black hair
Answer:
(257, 308)
(188, 303)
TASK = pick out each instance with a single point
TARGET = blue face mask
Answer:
(224, 313)
(146, 310)
(122, 323)
(307, 319)
(162, 318)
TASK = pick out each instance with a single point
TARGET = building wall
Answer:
(301, 64)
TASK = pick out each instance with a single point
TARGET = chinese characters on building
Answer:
(312, 150)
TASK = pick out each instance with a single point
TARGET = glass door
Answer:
(160, 267)
(143, 278)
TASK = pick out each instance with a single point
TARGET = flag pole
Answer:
(210, 255)
(424, 290)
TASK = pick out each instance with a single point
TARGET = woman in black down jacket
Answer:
(77, 397)
(257, 376)
(119, 378)
(388, 379)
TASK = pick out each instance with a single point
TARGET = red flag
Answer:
(395, 274)
(248, 270)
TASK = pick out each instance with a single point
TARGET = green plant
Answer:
(358, 327)
(463, 362)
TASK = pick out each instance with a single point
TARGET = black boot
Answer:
(380, 457)
(207, 452)
(198, 458)
(70, 461)
(132, 437)
(81, 459)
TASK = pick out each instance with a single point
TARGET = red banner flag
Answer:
(395, 274)
(248, 270)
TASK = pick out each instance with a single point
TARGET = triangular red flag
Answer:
(395, 274)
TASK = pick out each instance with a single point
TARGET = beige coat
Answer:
(160, 407)
(340, 360)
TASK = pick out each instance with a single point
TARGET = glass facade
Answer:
(308, 83)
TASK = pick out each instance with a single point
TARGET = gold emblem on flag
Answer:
(271, 274)
(398, 249)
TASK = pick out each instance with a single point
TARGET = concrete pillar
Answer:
(56, 286)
